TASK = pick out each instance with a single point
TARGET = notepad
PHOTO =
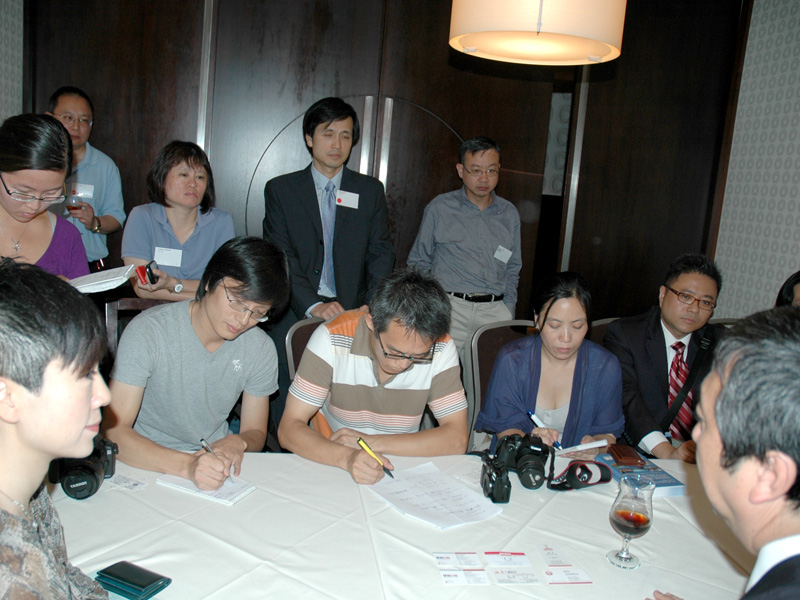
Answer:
(579, 447)
(102, 280)
(229, 494)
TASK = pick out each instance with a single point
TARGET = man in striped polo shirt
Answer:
(370, 374)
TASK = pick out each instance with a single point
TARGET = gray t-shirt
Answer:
(190, 391)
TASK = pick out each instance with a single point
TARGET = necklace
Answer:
(16, 246)
(19, 504)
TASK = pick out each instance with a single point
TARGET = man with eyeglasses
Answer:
(469, 240)
(658, 351)
(181, 367)
(94, 189)
(370, 374)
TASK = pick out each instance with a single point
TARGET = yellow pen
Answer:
(365, 446)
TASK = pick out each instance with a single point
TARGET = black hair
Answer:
(786, 293)
(170, 156)
(566, 284)
(259, 267)
(694, 263)
(327, 111)
(42, 319)
(415, 300)
(36, 142)
(475, 145)
(758, 408)
(68, 90)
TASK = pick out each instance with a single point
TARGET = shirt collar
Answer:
(465, 201)
(320, 181)
(771, 554)
(670, 339)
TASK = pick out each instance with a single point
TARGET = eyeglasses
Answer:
(492, 172)
(417, 360)
(689, 299)
(20, 197)
(240, 307)
(69, 119)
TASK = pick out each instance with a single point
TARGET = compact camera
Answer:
(82, 477)
(526, 455)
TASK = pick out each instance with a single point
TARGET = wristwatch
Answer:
(96, 228)
(178, 287)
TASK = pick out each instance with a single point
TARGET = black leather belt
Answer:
(477, 297)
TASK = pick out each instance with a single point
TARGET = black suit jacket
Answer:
(638, 342)
(781, 582)
(362, 250)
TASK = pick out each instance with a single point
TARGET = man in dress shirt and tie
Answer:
(748, 446)
(469, 240)
(657, 350)
(331, 222)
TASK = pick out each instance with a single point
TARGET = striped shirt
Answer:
(339, 374)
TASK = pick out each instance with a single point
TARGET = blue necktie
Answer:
(328, 224)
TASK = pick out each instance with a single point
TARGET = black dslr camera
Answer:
(526, 455)
(82, 477)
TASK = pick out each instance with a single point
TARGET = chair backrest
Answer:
(724, 321)
(296, 340)
(598, 329)
(114, 307)
(486, 343)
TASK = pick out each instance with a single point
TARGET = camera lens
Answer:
(80, 483)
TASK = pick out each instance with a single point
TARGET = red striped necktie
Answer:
(681, 426)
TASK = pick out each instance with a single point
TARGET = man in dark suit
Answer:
(653, 348)
(331, 222)
(748, 446)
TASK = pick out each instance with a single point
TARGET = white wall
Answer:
(759, 238)
(11, 19)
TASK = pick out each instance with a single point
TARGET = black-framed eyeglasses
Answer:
(491, 172)
(69, 119)
(20, 197)
(426, 359)
(241, 307)
(689, 299)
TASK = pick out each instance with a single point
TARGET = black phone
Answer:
(148, 269)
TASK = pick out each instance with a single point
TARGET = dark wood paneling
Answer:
(140, 64)
(274, 59)
(654, 125)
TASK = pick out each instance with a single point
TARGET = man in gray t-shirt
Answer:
(181, 367)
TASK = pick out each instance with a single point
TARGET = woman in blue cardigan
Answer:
(571, 384)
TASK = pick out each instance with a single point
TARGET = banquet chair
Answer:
(296, 339)
(486, 343)
(113, 310)
(598, 329)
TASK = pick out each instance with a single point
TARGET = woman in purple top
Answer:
(573, 386)
(35, 159)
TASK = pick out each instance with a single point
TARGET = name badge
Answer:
(168, 257)
(347, 199)
(81, 190)
(502, 254)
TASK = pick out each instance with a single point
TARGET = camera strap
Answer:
(578, 474)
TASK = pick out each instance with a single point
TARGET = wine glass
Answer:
(631, 515)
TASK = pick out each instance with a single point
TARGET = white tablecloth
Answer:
(308, 531)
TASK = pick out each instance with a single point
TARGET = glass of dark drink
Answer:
(72, 205)
(630, 516)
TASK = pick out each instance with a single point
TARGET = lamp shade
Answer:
(539, 32)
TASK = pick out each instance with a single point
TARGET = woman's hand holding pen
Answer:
(549, 436)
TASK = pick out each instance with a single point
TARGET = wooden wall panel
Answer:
(273, 60)
(653, 129)
(140, 64)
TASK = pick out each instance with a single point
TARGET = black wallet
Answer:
(131, 581)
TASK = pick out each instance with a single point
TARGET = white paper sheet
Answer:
(427, 494)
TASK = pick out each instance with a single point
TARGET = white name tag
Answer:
(502, 254)
(168, 257)
(347, 199)
(81, 190)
